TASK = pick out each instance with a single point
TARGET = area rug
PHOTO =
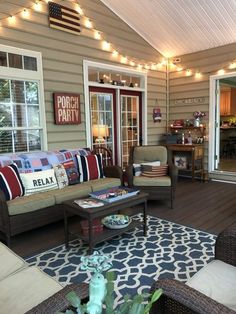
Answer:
(170, 250)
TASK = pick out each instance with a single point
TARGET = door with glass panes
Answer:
(115, 125)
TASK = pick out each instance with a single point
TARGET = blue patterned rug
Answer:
(169, 251)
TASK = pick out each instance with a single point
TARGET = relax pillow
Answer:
(10, 182)
(61, 176)
(90, 167)
(40, 181)
(72, 172)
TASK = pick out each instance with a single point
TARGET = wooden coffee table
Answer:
(99, 212)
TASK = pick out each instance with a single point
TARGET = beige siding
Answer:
(181, 87)
(63, 56)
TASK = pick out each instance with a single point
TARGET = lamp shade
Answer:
(100, 130)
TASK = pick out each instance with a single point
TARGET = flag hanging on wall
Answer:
(63, 18)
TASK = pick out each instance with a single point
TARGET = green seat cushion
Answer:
(25, 289)
(31, 203)
(158, 181)
(10, 262)
(72, 192)
(105, 183)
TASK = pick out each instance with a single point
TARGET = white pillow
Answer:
(39, 181)
(61, 176)
(137, 170)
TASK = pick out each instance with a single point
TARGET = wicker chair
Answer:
(180, 298)
(158, 188)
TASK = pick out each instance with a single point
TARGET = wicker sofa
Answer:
(215, 283)
(28, 212)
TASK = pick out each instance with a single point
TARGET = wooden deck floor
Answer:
(205, 206)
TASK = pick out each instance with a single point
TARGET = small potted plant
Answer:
(198, 115)
(101, 292)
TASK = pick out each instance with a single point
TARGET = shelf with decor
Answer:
(186, 135)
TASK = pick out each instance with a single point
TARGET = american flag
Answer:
(63, 18)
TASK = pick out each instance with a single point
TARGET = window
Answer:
(22, 122)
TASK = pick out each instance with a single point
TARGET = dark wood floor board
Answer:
(210, 207)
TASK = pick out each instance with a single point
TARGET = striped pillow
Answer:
(10, 182)
(90, 167)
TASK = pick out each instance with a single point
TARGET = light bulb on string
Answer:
(106, 45)
(198, 75)
(79, 10)
(88, 24)
(115, 53)
(188, 72)
(97, 35)
(123, 59)
(37, 6)
(132, 63)
(221, 71)
(12, 19)
(25, 13)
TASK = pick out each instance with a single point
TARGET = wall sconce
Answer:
(100, 132)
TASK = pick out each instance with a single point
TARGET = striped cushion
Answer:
(155, 171)
(90, 167)
(10, 182)
(39, 181)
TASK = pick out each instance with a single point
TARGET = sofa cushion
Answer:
(10, 182)
(25, 289)
(90, 167)
(39, 181)
(61, 175)
(10, 262)
(217, 280)
(157, 181)
(105, 183)
(31, 203)
(72, 192)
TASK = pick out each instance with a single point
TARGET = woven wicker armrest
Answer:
(58, 301)
(113, 172)
(179, 298)
(225, 247)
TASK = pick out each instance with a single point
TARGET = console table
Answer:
(193, 152)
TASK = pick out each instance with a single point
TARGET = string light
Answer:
(25, 13)
(123, 59)
(88, 23)
(97, 35)
(37, 6)
(106, 45)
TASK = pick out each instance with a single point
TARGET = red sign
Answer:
(67, 108)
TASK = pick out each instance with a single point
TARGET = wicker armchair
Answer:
(180, 298)
(58, 302)
(158, 188)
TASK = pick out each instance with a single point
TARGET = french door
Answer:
(116, 121)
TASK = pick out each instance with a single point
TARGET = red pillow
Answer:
(90, 167)
(10, 182)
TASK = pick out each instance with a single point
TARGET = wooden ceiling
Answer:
(177, 27)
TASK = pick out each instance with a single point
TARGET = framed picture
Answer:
(180, 162)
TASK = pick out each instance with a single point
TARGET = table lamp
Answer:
(100, 131)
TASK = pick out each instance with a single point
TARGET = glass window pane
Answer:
(19, 114)
(94, 104)
(6, 142)
(108, 102)
(31, 93)
(15, 61)
(101, 102)
(33, 116)
(4, 91)
(5, 116)
(34, 140)
(17, 90)
(20, 139)
(3, 59)
(30, 63)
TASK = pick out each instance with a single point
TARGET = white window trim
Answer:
(13, 73)
(212, 102)
(104, 66)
